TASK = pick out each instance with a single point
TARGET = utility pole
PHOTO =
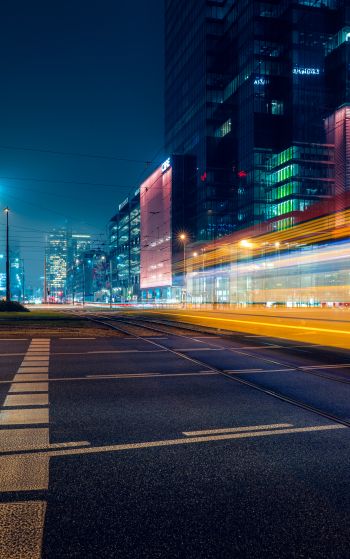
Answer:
(110, 283)
(45, 281)
(8, 288)
(23, 281)
(183, 239)
(83, 264)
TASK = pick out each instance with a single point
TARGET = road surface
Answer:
(169, 443)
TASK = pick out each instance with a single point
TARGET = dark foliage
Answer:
(12, 306)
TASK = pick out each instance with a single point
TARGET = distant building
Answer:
(124, 247)
(89, 277)
(77, 245)
(16, 276)
(56, 263)
(165, 215)
(2, 285)
(145, 253)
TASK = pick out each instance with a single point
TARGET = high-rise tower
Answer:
(246, 93)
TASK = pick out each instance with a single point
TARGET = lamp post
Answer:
(194, 255)
(183, 239)
(110, 282)
(246, 244)
(8, 289)
(83, 265)
(83, 278)
(23, 278)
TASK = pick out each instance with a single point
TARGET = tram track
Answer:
(290, 366)
(111, 323)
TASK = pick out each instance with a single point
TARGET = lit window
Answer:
(224, 129)
(277, 107)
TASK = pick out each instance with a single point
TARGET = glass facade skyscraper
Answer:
(249, 85)
(124, 247)
(56, 263)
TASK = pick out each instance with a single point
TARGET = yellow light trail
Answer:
(310, 331)
(269, 324)
(232, 248)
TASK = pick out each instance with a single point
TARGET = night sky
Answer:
(83, 77)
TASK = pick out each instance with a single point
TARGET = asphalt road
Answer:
(121, 448)
(330, 327)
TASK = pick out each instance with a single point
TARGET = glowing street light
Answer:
(183, 238)
(246, 243)
(8, 289)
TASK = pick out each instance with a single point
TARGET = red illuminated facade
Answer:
(338, 133)
(156, 243)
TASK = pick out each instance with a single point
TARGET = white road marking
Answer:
(12, 440)
(23, 522)
(243, 370)
(336, 366)
(24, 417)
(206, 338)
(21, 529)
(232, 372)
(27, 364)
(29, 387)
(192, 440)
(26, 400)
(146, 375)
(181, 350)
(235, 429)
(153, 338)
(24, 472)
(33, 369)
(30, 358)
(30, 376)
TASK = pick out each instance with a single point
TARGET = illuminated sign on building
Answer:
(301, 71)
(261, 81)
(166, 165)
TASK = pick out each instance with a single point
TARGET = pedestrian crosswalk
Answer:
(24, 426)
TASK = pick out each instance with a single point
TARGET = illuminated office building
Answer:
(124, 247)
(16, 276)
(248, 88)
(56, 263)
(145, 253)
(78, 243)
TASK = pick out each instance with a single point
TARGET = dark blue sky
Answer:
(76, 76)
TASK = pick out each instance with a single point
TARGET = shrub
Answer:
(12, 306)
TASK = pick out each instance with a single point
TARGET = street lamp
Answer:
(110, 282)
(8, 289)
(246, 244)
(83, 267)
(183, 240)
(23, 277)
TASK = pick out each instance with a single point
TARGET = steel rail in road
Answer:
(277, 395)
(140, 323)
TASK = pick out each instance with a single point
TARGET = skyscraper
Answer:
(56, 263)
(247, 90)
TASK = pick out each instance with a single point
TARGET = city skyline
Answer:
(96, 90)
